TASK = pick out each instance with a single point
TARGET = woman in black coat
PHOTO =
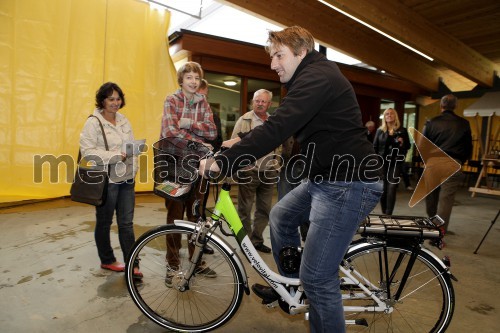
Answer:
(391, 136)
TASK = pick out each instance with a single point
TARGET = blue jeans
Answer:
(121, 197)
(335, 211)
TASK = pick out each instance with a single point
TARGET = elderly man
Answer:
(256, 183)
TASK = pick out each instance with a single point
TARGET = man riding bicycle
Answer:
(343, 173)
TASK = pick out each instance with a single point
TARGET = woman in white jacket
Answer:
(122, 170)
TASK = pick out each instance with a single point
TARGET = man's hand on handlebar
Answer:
(208, 145)
(230, 142)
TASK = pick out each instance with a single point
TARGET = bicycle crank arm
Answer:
(360, 322)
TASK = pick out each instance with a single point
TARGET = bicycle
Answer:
(389, 280)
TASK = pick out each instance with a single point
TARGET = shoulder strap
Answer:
(102, 130)
(103, 135)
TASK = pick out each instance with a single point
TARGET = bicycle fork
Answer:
(199, 240)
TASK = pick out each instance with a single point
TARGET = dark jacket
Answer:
(217, 142)
(320, 108)
(384, 143)
(451, 133)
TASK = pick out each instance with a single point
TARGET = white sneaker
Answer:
(168, 279)
(409, 188)
(171, 272)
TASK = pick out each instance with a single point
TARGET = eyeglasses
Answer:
(259, 101)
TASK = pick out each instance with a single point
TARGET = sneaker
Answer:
(409, 188)
(169, 277)
(206, 271)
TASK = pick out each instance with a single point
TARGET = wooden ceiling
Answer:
(462, 36)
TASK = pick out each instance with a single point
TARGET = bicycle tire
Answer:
(207, 304)
(426, 303)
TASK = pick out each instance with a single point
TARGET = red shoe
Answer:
(137, 275)
(115, 267)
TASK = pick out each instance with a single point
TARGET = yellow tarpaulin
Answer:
(54, 55)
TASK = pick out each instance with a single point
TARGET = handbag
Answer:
(90, 185)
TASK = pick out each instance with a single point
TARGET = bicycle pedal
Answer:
(270, 304)
(361, 322)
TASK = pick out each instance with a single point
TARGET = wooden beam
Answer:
(368, 77)
(216, 54)
(399, 21)
(330, 28)
(220, 47)
(213, 64)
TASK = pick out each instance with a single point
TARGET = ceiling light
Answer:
(230, 83)
(377, 30)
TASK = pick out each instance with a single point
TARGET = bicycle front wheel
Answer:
(427, 300)
(212, 296)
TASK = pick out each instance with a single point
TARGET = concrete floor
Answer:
(51, 280)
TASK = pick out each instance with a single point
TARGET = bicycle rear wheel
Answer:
(426, 303)
(208, 302)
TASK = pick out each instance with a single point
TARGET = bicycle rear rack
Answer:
(402, 226)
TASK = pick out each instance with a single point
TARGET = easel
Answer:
(486, 234)
(487, 161)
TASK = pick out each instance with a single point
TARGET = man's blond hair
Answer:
(295, 37)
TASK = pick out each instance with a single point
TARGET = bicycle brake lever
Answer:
(195, 209)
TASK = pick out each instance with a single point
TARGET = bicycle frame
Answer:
(225, 207)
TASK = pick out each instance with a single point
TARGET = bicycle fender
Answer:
(224, 244)
(423, 249)
(429, 252)
(355, 246)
